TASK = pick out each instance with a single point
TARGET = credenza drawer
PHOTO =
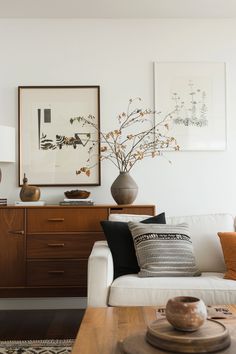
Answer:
(57, 273)
(65, 219)
(61, 246)
(133, 210)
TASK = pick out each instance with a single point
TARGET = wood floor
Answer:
(39, 324)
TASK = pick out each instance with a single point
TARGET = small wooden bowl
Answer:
(77, 194)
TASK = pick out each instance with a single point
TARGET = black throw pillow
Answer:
(120, 242)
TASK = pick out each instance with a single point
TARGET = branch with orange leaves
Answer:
(127, 145)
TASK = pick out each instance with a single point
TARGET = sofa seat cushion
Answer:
(130, 290)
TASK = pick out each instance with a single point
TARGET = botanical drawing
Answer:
(193, 112)
(196, 91)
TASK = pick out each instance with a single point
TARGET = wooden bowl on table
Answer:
(77, 194)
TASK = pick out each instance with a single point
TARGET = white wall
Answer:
(118, 55)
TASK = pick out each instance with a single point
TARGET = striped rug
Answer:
(47, 346)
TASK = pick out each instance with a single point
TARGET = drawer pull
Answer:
(16, 232)
(114, 209)
(56, 244)
(56, 219)
(57, 272)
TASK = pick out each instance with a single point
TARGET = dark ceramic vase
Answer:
(124, 189)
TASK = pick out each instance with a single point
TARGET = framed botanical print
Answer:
(51, 149)
(194, 93)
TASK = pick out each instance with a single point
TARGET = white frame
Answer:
(198, 90)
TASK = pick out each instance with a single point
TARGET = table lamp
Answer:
(7, 145)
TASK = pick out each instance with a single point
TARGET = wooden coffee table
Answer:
(102, 328)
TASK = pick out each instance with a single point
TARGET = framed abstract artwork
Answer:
(51, 149)
(194, 94)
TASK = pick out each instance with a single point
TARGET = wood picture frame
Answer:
(51, 149)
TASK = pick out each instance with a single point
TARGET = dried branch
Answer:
(126, 145)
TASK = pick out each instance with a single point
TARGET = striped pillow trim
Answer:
(164, 250)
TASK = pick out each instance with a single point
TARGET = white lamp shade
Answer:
(7, 144)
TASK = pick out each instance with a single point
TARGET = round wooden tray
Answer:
(211, 337)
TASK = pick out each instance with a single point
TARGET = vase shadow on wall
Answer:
(124, 189)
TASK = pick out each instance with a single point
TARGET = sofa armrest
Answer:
(100, 274)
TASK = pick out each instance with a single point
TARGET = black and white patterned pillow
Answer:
(164, 250)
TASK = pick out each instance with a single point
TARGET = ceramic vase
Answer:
(124, 189)
(186, 313)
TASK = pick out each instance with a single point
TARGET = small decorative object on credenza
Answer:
(77, 194)
(29, 193)
(77, 197)
(139, 134)
(3, 201)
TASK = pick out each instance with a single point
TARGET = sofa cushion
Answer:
(121, 244)
(163, 250)
(130, 290)
(228, 243)
(206, 244)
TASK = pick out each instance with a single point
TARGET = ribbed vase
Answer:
(124, 189)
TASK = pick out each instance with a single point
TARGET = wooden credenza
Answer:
(44, 250)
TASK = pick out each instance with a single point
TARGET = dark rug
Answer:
(47, 346)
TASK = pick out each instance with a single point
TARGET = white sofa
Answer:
(130, 290)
